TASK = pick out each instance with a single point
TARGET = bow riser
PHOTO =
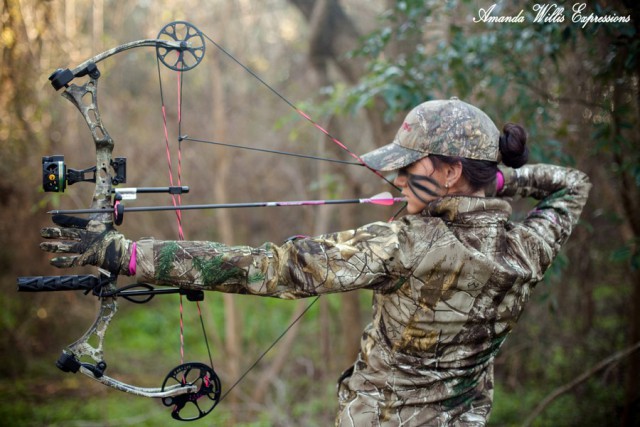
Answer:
(81, 348)
(102, 199)
(103, 142)
(85, 99)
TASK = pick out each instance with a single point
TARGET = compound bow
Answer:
(179, 46)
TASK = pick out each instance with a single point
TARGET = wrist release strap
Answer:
(132, 260)
(499, 182)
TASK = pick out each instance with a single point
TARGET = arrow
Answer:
(383, 199)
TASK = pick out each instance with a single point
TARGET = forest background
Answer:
(357, 67)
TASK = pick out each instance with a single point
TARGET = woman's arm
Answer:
(333, 263)
(562, 193)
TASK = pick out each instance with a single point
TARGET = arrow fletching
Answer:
(383, 199)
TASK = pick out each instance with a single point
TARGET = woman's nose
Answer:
(400, 180)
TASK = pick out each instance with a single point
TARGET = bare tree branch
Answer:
(579, 380)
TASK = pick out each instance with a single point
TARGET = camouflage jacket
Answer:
(449, 285)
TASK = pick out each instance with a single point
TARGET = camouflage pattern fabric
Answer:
(449, 285)
(87, 242)
(447, 127)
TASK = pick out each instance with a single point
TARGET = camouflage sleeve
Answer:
(562, 193)
(337, 262)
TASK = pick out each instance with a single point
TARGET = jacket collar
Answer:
(469, 210)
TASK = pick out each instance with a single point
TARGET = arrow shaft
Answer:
(387, 201)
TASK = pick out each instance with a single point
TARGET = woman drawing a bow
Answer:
(450, 279)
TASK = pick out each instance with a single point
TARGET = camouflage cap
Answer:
(445, 127)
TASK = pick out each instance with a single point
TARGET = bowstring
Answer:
(273, 344)
(299, 111)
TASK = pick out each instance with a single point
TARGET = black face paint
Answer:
(416, 185)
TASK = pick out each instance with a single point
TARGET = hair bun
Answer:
(513, 145)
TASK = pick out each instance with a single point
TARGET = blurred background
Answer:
(356, 67)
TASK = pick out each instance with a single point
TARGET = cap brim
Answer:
(391, 157)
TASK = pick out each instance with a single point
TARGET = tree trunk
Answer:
(225, 229)
(333, 35)
(97, 25)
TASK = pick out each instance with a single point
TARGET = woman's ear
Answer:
(453, 172)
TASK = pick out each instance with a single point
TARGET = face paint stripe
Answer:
(425, 178)
(415, 186)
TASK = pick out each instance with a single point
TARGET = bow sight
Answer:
(56, 176)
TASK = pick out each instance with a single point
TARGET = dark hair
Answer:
(513, 148)
(480, 173)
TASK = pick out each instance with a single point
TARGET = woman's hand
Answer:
(90, 242)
